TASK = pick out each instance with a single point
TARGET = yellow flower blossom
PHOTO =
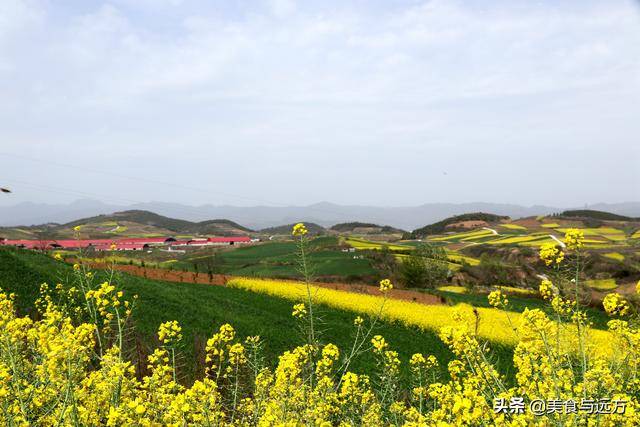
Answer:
(574, 238)
(385, 285)
(379, 343)
(615, 305)
(550, 254)
(497, 299)
(299, 311)
(299, 229)
(546, 289)
(169, 333)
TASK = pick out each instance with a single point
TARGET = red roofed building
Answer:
(228, 240)
(148, 240)
(133, 243)
(131, 246)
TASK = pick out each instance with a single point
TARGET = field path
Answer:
(221, 280)
(560, 242)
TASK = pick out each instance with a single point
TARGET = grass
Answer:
(518, 303)
(602, 284)
(201, 309)
(272, 259)
(277, 259)
(550, 225)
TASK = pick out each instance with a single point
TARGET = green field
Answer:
(202, 308)
(454, 295)
(277, 259)
(270, 259)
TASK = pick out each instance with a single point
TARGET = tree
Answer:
(425, 267)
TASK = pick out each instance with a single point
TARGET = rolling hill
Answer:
(456, 222)
(131, 223)
(312, 227)
(593, 214)
(365, 228)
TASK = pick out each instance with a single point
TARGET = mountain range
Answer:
(259, 217)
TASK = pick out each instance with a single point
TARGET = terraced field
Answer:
(455, 258)
(602, 285)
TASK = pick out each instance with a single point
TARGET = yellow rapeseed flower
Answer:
(546, 289)
(574, 238)
(550, 254)
(299, 229)
(299, 311)
(497, 299)
(385, 285)
(615, 305)
(379, 343)
(169, 332)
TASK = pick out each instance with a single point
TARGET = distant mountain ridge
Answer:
(259, 217)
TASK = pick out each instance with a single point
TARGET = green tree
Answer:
(425, 267)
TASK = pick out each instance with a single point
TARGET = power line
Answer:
(139, 179)
(171, 184)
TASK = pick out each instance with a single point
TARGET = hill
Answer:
(364, 228)
(131, 223)
(455, 222)
(258, 217)
(312, 227)
(593, 214)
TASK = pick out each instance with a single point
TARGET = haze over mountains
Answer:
(258, 217)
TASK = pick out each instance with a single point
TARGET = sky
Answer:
(354, 102)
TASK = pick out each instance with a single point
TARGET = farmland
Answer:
(201, 308)
(180, 313)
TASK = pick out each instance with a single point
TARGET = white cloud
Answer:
(427, 83)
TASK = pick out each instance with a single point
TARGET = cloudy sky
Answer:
(285, 102)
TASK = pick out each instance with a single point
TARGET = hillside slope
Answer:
(593, 214)
(131, 223)
(365, 228)
(440, 226)
(312, 227)
(200, 308)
